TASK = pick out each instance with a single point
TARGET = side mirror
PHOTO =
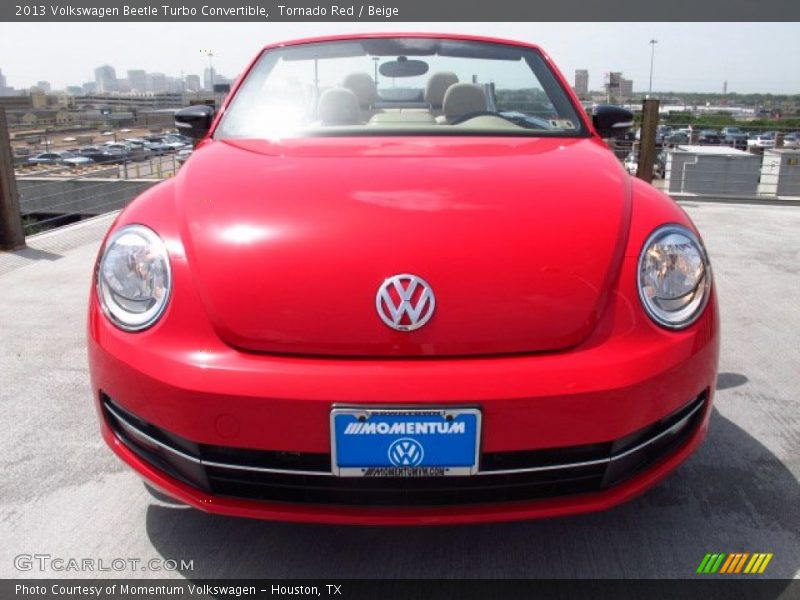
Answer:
(195, 121)
(611, 121)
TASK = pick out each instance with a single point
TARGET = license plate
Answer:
(379, 442)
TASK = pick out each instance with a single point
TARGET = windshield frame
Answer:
(584, 127)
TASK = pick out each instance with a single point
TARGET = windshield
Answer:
(400, 86)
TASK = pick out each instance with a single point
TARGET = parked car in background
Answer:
(762, 140)
(660, 164)
(65, 158)
(662, 133)
(631, 162)
(98, 154)
(709, 137)
(791, 140)
(676, 137)
(183, 155)
(134, 152)
(154, 148)
(73, 159)
(735, 137)
(45, 158)
(120, 150)
(169, 142)
(177, 141)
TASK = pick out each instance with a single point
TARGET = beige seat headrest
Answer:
(338, 106)
(463, 98)
(437, 86)
(362, 85)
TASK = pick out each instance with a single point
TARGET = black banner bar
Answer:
(400, 10)
(714, 587)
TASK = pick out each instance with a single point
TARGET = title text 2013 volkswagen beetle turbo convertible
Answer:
(402, 280)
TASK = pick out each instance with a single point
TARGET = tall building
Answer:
(106, 79)
(3, 87)
(44, 86)
(192, 83)
(90, 87)
(625, 88)
(174, 85)
(618, 89)
(38, 98)
(156, 83)
(209, 78)
(582, 82)
(137, 79)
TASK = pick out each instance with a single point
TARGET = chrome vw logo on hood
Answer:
(405, 302)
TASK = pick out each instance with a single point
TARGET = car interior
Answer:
(312, 91)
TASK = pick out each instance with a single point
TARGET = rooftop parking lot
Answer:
(66, 495)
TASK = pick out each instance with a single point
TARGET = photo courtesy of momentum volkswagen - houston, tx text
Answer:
(381, 291)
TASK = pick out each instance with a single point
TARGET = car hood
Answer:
(520, 240)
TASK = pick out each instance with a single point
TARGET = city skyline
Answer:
(105, 79)
(690, 57)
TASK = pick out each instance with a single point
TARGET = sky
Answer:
(751, 57)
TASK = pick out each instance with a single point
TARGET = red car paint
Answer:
(530, 243)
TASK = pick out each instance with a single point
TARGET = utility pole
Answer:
(653, 43)
(647, 141)
(12, 235)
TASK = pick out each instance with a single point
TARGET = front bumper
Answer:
(248, 435)
(223, 479)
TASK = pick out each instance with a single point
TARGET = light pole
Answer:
(653, 43)
(375, 60)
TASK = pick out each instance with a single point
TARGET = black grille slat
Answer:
(265, 459)
(385, 492)
(527, 459)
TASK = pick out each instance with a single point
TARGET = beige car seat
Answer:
(462, 99)
(437, 86)
(363, 86)
(338, 106)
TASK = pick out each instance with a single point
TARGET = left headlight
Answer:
(134, 278)
(674, 277)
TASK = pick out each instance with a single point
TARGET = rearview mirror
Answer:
(402, 67)
(195, 121)
(611, 121)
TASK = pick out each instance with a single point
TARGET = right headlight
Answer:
(134, 278)
(674, 276)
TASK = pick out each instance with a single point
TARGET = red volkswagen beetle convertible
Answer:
(402, 280)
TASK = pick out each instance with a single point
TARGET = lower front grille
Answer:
(402, 491)
(305, 478)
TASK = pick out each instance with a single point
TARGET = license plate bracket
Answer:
(404, 442)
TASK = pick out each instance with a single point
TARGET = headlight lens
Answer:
(674, 276)
(134, 278)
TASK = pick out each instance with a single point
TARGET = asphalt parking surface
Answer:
(63, 493)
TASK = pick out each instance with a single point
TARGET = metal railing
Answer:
(689, 163)
(54, 195)
(702, 165)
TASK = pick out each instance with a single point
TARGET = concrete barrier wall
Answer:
(90, 196)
